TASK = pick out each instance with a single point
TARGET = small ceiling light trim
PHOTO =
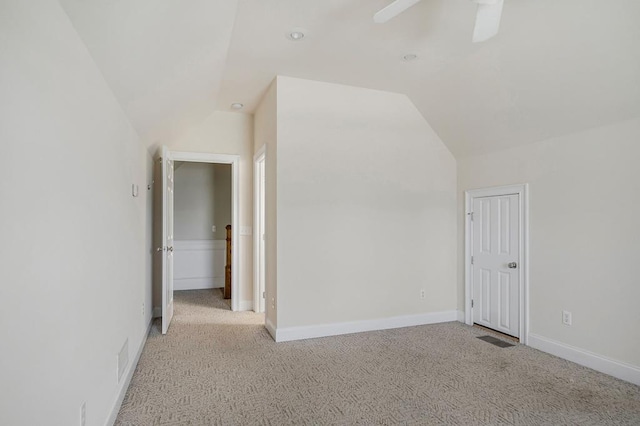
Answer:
(236, 105)
(410, 57)
(296, 34)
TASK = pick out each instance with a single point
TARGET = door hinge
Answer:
(264, 294)
(471, 215)
(472, 303)
(472, 260)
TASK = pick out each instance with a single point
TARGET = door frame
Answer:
(522, 190)
(234, 160)
(260, 156)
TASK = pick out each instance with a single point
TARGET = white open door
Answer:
(167, 239)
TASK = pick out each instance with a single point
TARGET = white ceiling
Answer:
(164, 59)
(556, 66)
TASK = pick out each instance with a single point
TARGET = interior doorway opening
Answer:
(202, 227)
(197, 244)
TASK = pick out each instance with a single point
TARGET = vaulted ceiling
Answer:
(556, 67)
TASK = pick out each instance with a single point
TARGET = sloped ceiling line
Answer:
(554, 68)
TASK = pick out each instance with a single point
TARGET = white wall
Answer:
(202, 200)
(195, 209)
(265, 134)
(73, 258)
(585, 234)
(366, 199)
(199, 264)
(228, 133)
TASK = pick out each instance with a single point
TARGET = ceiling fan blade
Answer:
(393, 10)
(487, 20)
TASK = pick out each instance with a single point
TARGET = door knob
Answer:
(512, 265)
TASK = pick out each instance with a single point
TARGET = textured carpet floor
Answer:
(215, 367)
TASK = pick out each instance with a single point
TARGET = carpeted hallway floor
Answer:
(216, 367)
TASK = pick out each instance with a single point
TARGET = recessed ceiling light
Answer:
(410, 57)
(296, 34)
(236, 105)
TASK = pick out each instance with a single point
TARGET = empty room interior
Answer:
(320, 212)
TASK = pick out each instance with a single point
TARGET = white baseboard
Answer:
(124, 385)
(157, 312)
(309, 332)
(461, 316)
(270, 328)
(619, 369)
(245, 305)
(198, 283)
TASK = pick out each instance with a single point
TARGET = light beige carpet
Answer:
(216, 367)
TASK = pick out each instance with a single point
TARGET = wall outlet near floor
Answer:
(566, 317)
(213, 228)
(423, 294)
(83, 413)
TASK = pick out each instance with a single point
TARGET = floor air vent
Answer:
(494, 341)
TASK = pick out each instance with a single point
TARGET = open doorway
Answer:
(202, 219)
(197, 227)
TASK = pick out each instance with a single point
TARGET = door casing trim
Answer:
(522, 190)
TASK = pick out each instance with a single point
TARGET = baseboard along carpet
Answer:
(217, 367)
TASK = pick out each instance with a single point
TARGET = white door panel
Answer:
(496, 286)
(167, 240)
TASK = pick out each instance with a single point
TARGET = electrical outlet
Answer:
(213, 228)
(423, 294)
(83, 414)
(566, 317)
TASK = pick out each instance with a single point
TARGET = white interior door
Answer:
(495, 256)
(167, 239)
